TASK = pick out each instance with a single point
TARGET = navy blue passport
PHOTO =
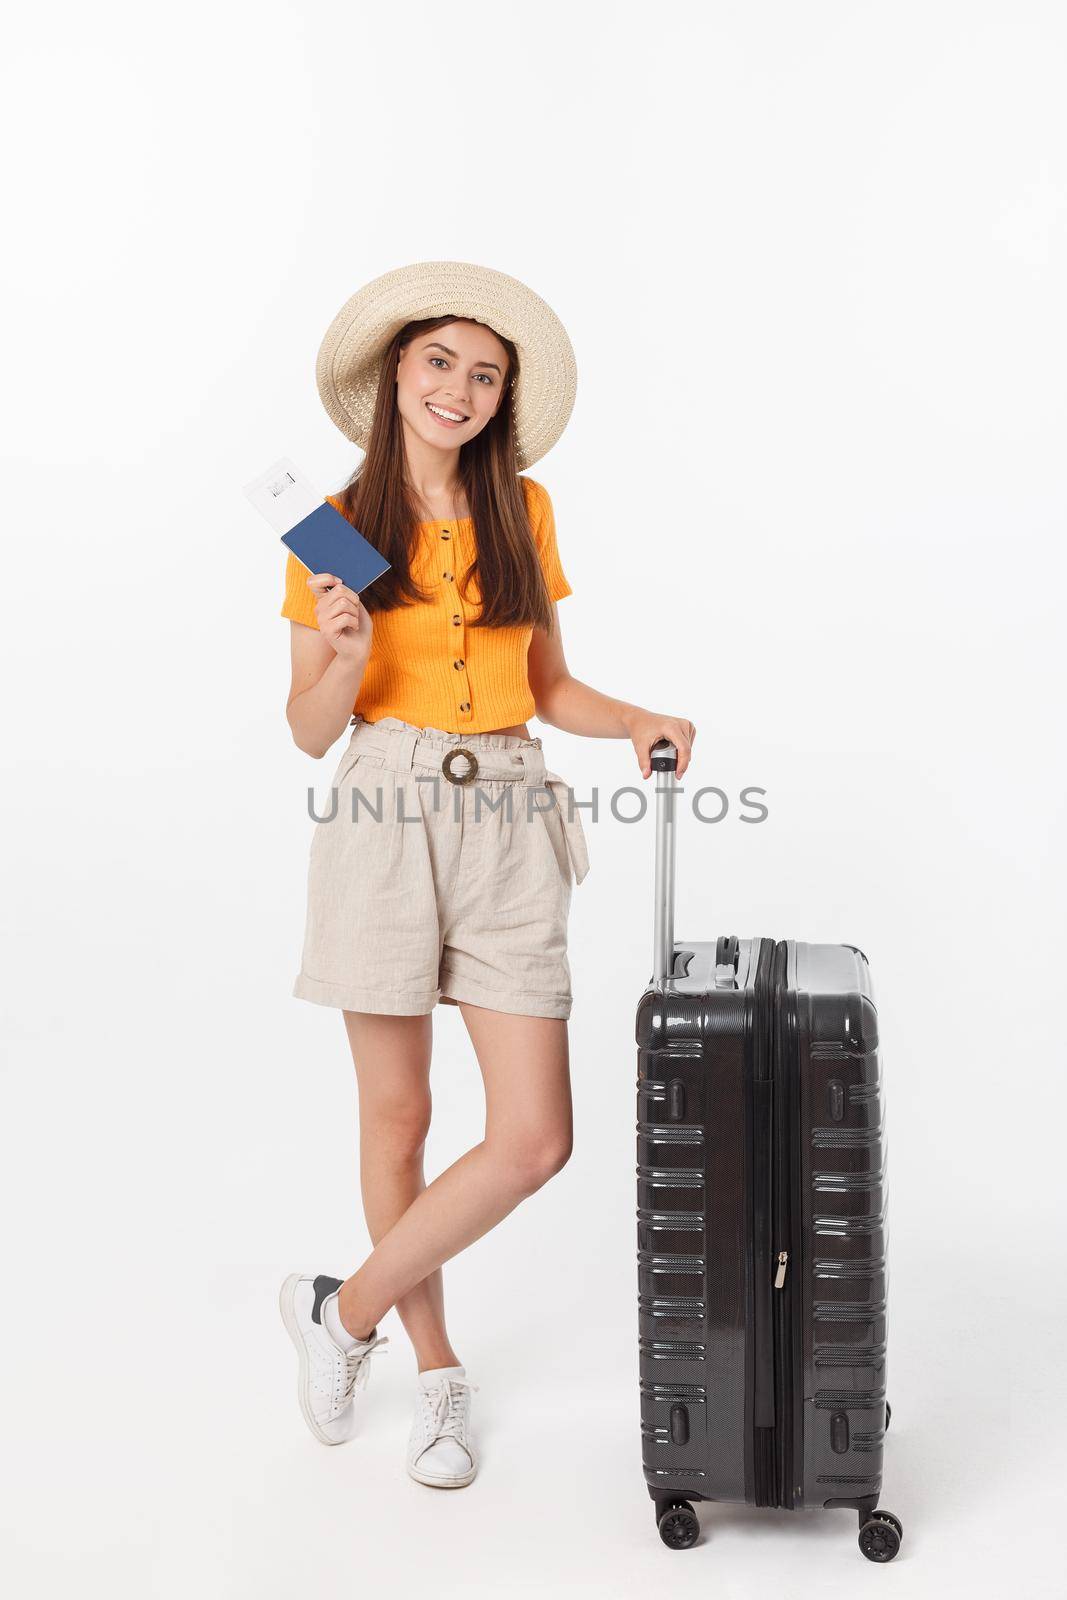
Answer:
(327, 542)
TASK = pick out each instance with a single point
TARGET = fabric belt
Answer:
(401, 750)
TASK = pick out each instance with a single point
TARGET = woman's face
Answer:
(459, 369)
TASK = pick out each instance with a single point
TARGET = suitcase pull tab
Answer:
(783, 1263)
(726, 957)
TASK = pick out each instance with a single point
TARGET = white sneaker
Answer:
(440, 1452)
(328, 1374)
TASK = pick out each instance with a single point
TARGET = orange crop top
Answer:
(426, 666)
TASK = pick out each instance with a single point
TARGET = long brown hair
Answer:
(380, 502)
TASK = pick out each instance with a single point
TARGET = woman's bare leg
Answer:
(392, 1061)
(525, 1066)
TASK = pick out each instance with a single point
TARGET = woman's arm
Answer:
(564, 702)
(328, 663)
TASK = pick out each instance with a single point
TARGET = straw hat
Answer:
(350, 356)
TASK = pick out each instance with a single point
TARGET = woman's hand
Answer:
(343, 621)
(646, 728)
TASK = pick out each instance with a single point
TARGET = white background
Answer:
(812, 259)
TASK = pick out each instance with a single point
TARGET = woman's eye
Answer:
(486, 375)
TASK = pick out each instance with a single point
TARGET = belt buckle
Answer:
(460, 750)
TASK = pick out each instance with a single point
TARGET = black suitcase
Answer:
(761, 1223)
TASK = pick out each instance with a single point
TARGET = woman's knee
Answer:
(398, 1131)
(532, 1163)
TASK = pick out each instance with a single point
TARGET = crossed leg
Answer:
(415, 1227)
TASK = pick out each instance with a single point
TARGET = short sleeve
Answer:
(299, 602)
(543, 522)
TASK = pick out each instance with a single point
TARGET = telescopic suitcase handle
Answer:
(664, 758)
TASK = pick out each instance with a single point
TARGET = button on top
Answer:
(446, 534)
(457, 620)
(447, 575)
(458, 664)
(465, 706)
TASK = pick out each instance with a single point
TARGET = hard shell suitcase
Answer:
(761, 1222)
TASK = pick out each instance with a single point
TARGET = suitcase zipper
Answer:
(786, 1144)
(775, 1081)
(760, 1063)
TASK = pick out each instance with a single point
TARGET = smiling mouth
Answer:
(446, 415)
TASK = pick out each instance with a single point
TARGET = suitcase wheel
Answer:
(880, 1536)
(678, 1525)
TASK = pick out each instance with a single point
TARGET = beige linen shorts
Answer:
(443, 872)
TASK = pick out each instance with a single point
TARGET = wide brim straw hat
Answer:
(350, 357)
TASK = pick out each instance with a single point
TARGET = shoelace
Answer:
(357, 1366)
(447, 1405)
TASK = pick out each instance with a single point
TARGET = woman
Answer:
(433, 880)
